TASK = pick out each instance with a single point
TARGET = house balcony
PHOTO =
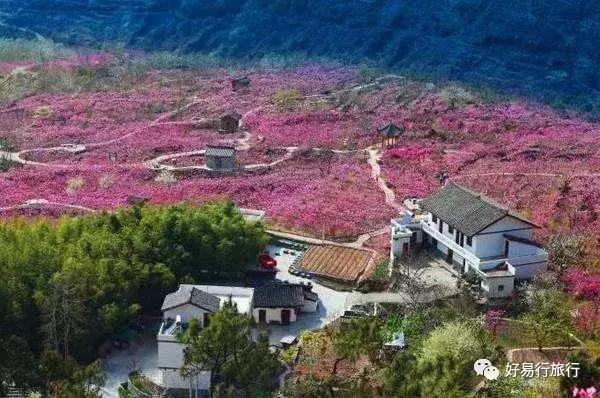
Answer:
(431, 229)
(399, 230)
(169, 329)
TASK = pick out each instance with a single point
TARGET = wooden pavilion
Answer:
(390, 135)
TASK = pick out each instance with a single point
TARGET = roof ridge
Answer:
(493, 202)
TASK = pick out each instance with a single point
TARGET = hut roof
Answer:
(467, 211)
(231, 114)
(390, 130)
(219, 150)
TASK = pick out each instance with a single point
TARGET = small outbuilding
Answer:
(229, 122)
(220, 157)
(281, 302)
(240, 83)
(390, 135)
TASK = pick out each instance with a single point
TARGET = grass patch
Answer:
(381, 271)
(39, 50)
(514, 334)
(6, 164)
(289, 354)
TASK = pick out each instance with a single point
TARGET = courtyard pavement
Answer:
(332, 303)
(142, 355)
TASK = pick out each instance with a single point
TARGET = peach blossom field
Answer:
(318, 178)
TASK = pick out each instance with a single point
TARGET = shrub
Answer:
(42, 111)
(365, 74)
(106, 181)
(381, 270)
(75, 184)
(287, 99)
(166, 177)
(6, 163)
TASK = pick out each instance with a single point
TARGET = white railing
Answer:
(431, 229)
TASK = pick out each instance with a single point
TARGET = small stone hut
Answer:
(240, 83)
(229, 122)
(220, 157)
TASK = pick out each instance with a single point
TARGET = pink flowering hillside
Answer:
(302, 149)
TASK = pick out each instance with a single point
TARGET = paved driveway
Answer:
(331, 302)
(142, 355)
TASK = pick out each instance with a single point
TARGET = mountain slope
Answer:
(548, 48)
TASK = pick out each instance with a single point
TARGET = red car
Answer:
(267, 261)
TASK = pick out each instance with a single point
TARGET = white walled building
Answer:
(282, 302)
(279, 303)
(474, 234)
(178, 309)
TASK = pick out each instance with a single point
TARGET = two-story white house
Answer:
(276, 302)
(192, 301)
(474, 234)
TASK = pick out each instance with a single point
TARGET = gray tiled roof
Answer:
(390, 130)
(192, 296)
(219, 151)
(311, 296)
(465, 210)
(279, 295)
(519, 239)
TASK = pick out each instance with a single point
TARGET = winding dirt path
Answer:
(243, 143)
(390, 196)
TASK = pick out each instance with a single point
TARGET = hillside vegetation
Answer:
(543, 48)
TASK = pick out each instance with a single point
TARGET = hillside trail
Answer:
(242, 144)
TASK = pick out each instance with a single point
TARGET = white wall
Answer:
(187, 312)
(170, 353)
(490, 241)
(273, 314)
(529, 270)
(172, 378)
(516, 249)
(490, 286)
(397, 245)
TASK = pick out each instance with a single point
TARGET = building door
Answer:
(405, 248)
(285, 317)
(262, 316)
(449, 256)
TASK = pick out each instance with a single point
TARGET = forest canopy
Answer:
(67, 284)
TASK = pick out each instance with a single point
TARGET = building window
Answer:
(500, 288)
(413, 237)
(405, 247)
(469, 241)
(434, 219)
(441, 227)
(450, 229)
(206, 320)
